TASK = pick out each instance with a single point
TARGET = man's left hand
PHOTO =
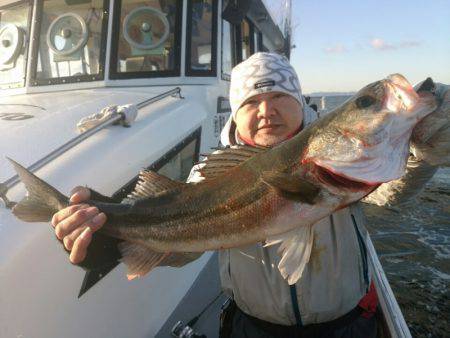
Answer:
(430, 140)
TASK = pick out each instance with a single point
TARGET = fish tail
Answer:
(42, 200)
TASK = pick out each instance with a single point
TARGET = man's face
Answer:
(268, 119)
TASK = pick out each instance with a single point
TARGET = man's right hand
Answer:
(75, 224)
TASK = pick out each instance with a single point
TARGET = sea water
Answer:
(413, 244)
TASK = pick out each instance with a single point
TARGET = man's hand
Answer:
(75, 224)
(431, 136)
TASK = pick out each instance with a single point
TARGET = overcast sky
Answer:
(344, 45)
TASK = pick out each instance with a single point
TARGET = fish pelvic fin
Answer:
(291, 186)
(152, 184)
(42, 200)
(295, 252)
(140, 259)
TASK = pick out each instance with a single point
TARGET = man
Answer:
(267, 108)
(334, 297)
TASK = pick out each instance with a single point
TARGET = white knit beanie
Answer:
(260, 73)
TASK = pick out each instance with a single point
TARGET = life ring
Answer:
(145, 26)
(52, 32)
(11, 43)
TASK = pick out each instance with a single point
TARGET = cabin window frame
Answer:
(225, 76)
(115, 75)
(259, 40)
(34, 81)
(28, 37)
(251, 35)
(261, 46)
(238, 43)
(214, 29)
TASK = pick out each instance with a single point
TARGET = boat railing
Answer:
(393, 316)
(114, 118)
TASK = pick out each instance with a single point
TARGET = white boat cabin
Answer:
(62, 60)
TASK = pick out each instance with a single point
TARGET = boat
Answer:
(91, 92)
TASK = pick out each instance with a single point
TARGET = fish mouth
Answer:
(402, 96)
(337, 180)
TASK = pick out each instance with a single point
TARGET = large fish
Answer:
(257, 194)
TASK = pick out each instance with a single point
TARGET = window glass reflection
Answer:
(256, 39)
(179, 167)
(227, 49)
(201, 35)
(147, 41)
(246, 40)
(70, 40)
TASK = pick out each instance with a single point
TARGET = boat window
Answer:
(72, 41)
(247, 39)
(201, 38)
(228, 52)
(14, 32)
(244, 40)
(180, 165)
(176, 163)
(146, 38)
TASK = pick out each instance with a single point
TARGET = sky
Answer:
(342, 46)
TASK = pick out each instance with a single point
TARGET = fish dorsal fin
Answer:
(224, 159)
(291, 186)
(152, 184)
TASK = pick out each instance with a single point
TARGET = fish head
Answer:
(365, 142)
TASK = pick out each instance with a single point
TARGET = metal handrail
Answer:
(388, 303)
(115, 118)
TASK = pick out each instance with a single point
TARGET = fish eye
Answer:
(365, 101)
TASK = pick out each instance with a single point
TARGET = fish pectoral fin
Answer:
(152, 184)
(140, 260)
(291, 186)
(295, 251)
